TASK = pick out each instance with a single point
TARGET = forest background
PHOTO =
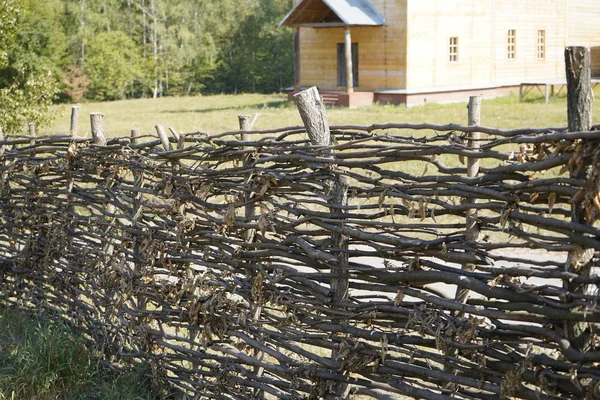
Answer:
(97, 50)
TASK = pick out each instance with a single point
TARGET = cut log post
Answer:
(314, 116)
(339, 272)
(579, 107)
(164, 139)
(311, 109)
(32, 127)
(136, 215)
(99, 139)
(175, 134)
(579, 88)
(474, 119)
(70, 180)
(4, 175)
(2, 147)
(97, 122)
(138, 179)
(315, 121)
(135, 136)
(74, 127)
(246, 122)
(472, 226)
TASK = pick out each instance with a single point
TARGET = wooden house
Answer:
(418, 51)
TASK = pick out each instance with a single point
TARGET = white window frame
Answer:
(540, 47)
(453, 49)
(511, 45)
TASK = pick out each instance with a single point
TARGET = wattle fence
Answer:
(385, 261)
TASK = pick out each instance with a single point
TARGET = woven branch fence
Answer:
(383, 261)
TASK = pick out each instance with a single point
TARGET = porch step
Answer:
(330, 98)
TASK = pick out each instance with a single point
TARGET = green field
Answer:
(215, 114)
(41, 359)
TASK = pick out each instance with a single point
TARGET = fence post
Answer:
(314, 117)
(246, 123)
(474, 119)
(250, 211)
(164, 139)
(31, 127)
(74, 127)
(97, 122)
(471, 226)
(579, 107)
(579, 88)
(4, 175)
(2, 147)
(138, 179)
(136, 211)
(312, 111)
(70, 180)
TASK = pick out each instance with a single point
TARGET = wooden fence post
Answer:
(250, 211)
(138, 179)
(579, 88)
(471, 226)
(2, 147)
(164, 139)
(246, 123)
(4, 175)
(97, 122)
(314, 117)
(32, 126)
(311, 108)
(70, 180)
(136, 212)
(474, 119)
(74, 127)
(579, 107)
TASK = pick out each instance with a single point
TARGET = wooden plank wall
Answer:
(482, 29)
(382, 51)
(583, 23)
(411, 50)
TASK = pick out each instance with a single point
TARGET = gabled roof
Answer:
(324, 13)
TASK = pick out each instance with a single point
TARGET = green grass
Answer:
(43, 360)
(215, 114)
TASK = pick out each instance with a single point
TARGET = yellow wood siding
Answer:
(431, 24)
(527, 18)
(482, 31)
(583, 18)
(381, 51)
(411, 51)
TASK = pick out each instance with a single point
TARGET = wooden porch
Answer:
(548, 87)
(340, 98)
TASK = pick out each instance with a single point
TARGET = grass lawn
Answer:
(218, 113)
(45, 360)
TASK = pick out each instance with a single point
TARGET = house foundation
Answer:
(410, 99)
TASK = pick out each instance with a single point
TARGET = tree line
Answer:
(74, 50)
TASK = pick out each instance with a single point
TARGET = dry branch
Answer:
(163, 256)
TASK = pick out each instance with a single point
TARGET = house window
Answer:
(541, 45)
(453, 49)
(511, 42)
(341, 64)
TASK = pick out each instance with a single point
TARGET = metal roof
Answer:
(324, 13)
